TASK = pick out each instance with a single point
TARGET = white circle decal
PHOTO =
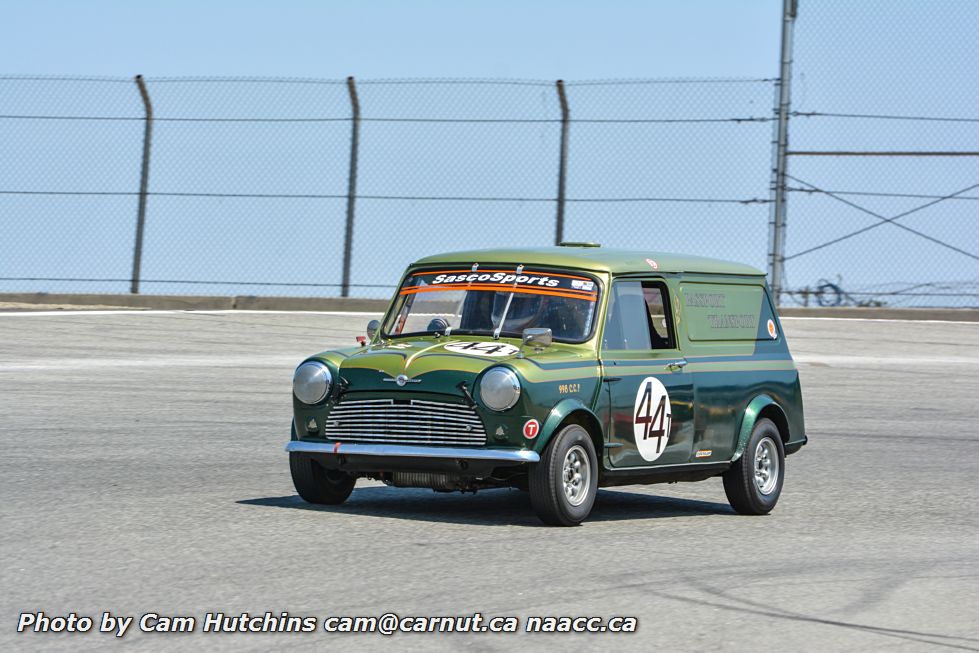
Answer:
(531, 428)
(491, 348)
(652, 418)
(771, 329)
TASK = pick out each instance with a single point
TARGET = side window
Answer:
(658, 308)
(638, 317)
(626, 324)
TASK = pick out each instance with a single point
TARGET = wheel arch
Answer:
(571, 411)
(761, 407)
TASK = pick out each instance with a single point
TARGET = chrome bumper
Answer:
(408, 451)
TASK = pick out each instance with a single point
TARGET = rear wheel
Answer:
(316, 484)
(564, 483)
(754, 483)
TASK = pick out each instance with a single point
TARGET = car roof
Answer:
(590, 257)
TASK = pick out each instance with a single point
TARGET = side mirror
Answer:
(537, 338)
(372, 328)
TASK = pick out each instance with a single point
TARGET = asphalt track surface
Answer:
(142, 471)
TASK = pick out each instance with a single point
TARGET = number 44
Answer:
(655, 425)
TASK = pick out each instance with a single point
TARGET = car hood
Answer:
(427, 364)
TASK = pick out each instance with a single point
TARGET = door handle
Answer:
(676, 365)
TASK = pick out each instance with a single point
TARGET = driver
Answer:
(526, 310)
(567, 318)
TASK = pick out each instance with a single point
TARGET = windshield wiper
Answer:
(506, 309)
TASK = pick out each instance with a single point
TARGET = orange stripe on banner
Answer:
(510, 271)
(499, 287)
(526, 291)
(504, 287)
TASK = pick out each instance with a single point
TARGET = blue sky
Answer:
(898, 58)
(381, 39)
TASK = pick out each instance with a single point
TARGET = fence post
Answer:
(776, 253)
(348, 237)
(562, 174)
(144, 179)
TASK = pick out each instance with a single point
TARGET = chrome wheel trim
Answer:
(766, 466)
(576, 475)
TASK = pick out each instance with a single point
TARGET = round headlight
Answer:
(500, 388)
(311, 382)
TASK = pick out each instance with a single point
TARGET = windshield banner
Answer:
(535, 282)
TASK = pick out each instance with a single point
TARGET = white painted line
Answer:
(880, 319)
(877, 361)
(77, 313)
(68, 364)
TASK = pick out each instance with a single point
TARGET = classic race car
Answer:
(556, 370)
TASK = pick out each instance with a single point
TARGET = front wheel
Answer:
(754, 483)
(316, 484)
(564, 483)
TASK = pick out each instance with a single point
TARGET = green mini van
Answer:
(557, 371)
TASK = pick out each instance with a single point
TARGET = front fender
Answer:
(755, 406)
(557, 415)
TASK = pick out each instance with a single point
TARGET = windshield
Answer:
(477, 302)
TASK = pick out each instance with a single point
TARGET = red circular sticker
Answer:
(653, 264)
(771, 329)
(531, 428)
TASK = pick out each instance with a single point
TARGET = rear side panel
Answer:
(735, 348)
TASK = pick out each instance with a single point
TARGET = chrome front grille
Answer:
(406, 422)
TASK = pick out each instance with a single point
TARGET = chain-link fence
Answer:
(251, 182)
(883, 164)
(329, 187)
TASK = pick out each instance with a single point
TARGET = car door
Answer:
(650, 394)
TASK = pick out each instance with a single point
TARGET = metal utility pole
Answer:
(348, 237)
(776, 252)
(144, 180)
(562, 174)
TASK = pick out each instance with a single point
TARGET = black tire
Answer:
(548, 496)
(316, 484)
(746, 494)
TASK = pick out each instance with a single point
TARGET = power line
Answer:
(424, 198)
(198, 282)
(390, 82)
(746, 119)
(870, 116)
(217, 282)
(882, 153)
(812, 191)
